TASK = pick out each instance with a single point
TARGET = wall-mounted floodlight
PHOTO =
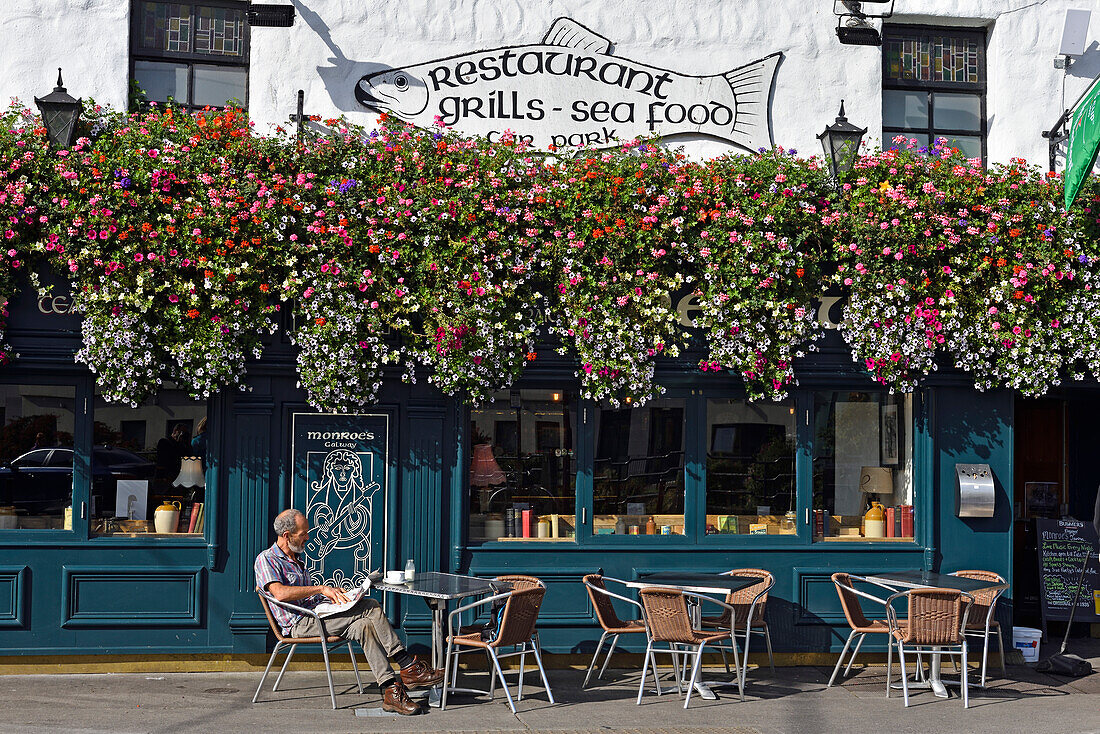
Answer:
(1074, 34)
(853, 20)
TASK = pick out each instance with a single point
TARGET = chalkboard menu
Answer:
(1062, 546)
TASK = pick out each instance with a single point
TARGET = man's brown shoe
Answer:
(421, 675)
(395, 698)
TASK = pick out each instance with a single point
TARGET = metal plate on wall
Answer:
(975, 493)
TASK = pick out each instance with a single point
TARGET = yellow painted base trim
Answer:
(247, 663)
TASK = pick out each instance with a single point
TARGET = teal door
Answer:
(341, 479)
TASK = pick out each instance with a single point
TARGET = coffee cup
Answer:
(395, 577)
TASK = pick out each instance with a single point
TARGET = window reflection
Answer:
(750, 468)
(36, 456)
(638, 473)
(137, 461)
(522, 471)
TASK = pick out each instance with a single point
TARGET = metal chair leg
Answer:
(448, 666)
(890, 663)
(328, 672)
(725, 661)
(985, 655)
(965, 683)
(492, 678)
(595, 655)
(745, 667)
(610, 652)
(694, 673)
(503, 683)
(852, 659)
(645, 668)
(542, 674)
(840, 660)
(522, 661)
(270, 660)
(904, 676)
(768, 642)
(282, 670)
(355, 667)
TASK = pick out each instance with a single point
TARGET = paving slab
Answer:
(792, 701)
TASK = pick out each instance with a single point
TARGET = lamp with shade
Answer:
(190, 476)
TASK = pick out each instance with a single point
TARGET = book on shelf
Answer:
(907, 521)
(196, 518)
(185, 518)
(825, 521)
(819, 523)
(891, 512)
(897, 523)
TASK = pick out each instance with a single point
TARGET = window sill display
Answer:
(442, 256)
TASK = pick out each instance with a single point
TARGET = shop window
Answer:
(638, 471)
(862, 466)
(36, 457)
(195, 54)
(750, 473)
(933, 86)
(522, 467)
(146, 457)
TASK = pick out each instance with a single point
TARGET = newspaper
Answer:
(327, 608)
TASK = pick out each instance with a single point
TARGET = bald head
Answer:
(287, 521)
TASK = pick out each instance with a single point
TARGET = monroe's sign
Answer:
(570, 91)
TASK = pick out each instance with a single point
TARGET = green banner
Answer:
(1084, 138)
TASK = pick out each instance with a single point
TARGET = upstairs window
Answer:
(933, 86)
(193, 53)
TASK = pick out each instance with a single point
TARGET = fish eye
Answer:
(401, 82)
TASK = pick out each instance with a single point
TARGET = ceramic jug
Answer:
(167, 516)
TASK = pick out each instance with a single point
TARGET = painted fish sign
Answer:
(571, 91)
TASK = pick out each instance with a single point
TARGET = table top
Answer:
(930, 579)
(436, 585)
(700, 583)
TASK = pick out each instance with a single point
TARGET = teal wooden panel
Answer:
(13, 596)
(973, 428)
(108, 596)
(249, 486)
(420, 501)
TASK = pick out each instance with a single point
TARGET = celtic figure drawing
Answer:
(340, 506)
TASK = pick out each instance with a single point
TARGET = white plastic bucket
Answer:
(1026, 640)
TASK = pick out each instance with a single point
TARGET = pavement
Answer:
(792, 701)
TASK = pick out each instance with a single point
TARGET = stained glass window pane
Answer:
(928, 58)
(166, 26)
(219, 31)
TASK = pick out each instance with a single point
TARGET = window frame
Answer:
(191, 59)
(979, 89)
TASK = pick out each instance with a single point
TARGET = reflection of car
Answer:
(40, 482)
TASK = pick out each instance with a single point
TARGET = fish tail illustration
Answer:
(752, 86)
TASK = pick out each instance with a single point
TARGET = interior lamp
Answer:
(190, 475)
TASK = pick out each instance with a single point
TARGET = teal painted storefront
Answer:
(66, 592)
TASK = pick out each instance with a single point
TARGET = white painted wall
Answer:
(335, 42)
(88, 39)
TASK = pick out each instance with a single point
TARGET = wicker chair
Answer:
(749, 605)
(982, 623)
(515, 630)
(519, 581)
(937, 620)
(609, 620)
(326, 641)
(853, 612)
(667, 621)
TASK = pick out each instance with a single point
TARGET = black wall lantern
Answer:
(841, 143)
(60, 113)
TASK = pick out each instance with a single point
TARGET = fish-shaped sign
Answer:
(570, 91)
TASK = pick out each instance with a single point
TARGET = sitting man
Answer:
(281, 573)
